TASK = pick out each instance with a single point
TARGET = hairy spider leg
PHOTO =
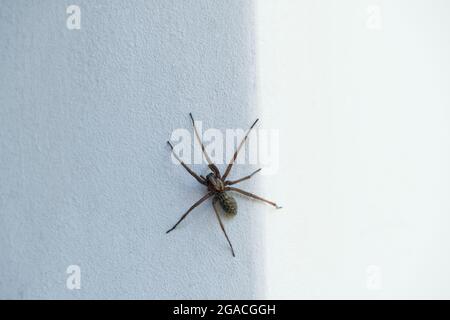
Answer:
(231, 182)
(251, 195)
(222, 226)
(227, 171)
(206, 196)
(211, 165)
(200, 179)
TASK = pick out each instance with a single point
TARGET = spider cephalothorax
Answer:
(215, 183)
(218, 186)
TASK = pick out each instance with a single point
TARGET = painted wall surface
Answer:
(362, 91)
(357, 89)
(86, 174)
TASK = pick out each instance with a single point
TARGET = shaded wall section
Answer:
(86, 176)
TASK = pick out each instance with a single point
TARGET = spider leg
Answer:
(206, 196)
(227, 171)
(198, 178)
(211, 165)
(231, 182)
(222, 226)
(251, 195)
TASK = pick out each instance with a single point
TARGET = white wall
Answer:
(357, 89)
(360, 91)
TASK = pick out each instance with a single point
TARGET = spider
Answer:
(217, 185)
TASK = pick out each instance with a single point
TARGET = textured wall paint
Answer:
(362, 111)
(86, 176)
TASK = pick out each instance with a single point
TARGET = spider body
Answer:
(227, 202)
(215, 183)
(218, 186)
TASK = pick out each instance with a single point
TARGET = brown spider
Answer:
(218, 186)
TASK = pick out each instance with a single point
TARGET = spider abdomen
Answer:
(227, 203)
